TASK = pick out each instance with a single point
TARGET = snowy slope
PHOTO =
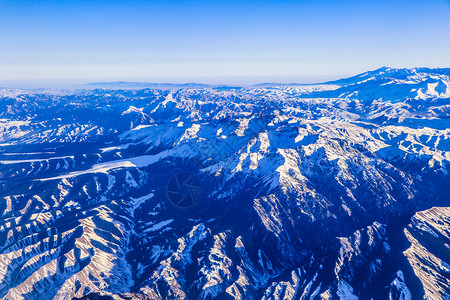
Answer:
(301, 192)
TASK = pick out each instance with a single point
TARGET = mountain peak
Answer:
(278, 191)
(388, 73)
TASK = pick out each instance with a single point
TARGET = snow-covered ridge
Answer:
(306, 191)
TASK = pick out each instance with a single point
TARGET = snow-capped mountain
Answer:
(329, 191)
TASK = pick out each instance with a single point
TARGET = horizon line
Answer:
(244, 80)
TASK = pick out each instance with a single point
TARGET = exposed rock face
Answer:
(335, 191)
(429, 253)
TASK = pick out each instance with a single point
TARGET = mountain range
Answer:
(337, 190)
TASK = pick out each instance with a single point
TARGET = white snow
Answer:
(158, 226)
(139, 201)
(345, 291)
(399, 283)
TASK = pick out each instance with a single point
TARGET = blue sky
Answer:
(217, 41)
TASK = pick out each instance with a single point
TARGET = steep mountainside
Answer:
(331, 191)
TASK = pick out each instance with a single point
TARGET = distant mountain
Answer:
(394, 85)
(142, 85)
(328, 191)
(384, 73)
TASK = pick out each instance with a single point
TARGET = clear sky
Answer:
(217, 41)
